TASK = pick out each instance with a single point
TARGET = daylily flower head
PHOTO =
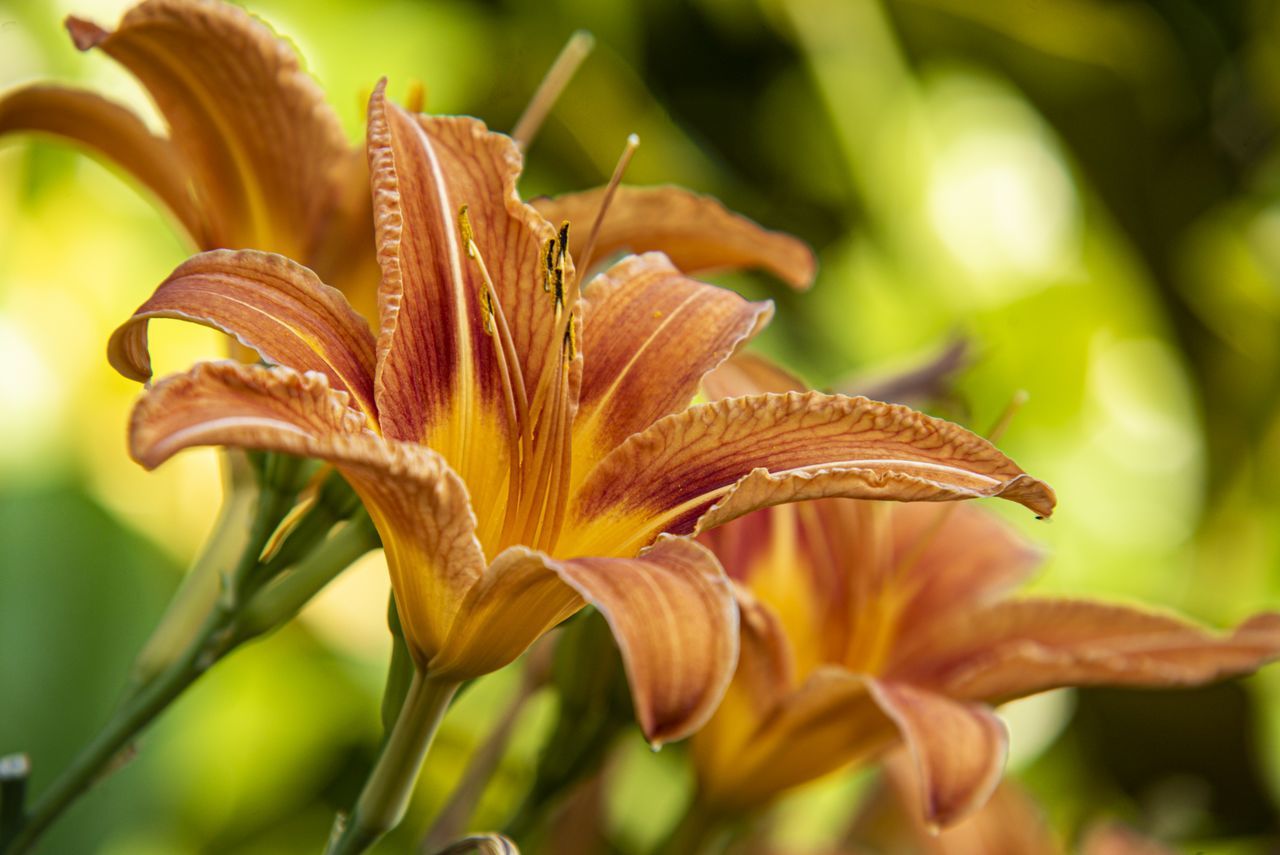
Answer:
(254, 156)
(525, 445)
(870, 624)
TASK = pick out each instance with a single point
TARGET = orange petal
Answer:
(519, 597)
(795, 558)
(423, 514)
(248, 406)
(258, 139)
(696, 232)
(827, 723)
(959, 749)
(749, 374)
(1010, 823)
(270, 304)
(1019, 647)
(671, 611)
(765, 676)
(717, 461)
(766, 667)
(673, 615)
(418, 504)
(438, 377)
(649, 336)
(956, 556)
(111, 131)
(346, 255)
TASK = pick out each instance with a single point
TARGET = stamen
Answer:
(558, 500)
(633, 142)
(559, 268)
(558, 76)
(520, 433)
(549, 268)
(464, 226)
(555, 507)
(552, 410)
(570, 340)
(557, 260)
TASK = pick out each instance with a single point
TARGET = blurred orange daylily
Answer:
(522, 447)
(254, 155)
(865, 624)
(1010, 823)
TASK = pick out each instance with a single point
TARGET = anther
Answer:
(570, 340)
(548, 269)
(468, 236)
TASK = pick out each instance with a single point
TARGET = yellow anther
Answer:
(486, 311)
(468, 236)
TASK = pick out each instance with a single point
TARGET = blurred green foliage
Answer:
(1086, 190)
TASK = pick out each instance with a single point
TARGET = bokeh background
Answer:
(1083, 191)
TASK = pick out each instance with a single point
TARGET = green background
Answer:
(1084, 190)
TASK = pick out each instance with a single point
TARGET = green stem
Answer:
(223, 630)
(198, 593)
(136, 713)
(385, 798)
(286, 594)
(452, 820)
(274, 501)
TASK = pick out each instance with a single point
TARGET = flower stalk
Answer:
(385, 797)
(229, 622)
(135, 714)
(452, 820)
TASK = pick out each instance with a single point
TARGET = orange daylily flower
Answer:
(525, 448)
(867, 624)
(1010, 823)
(255, 157)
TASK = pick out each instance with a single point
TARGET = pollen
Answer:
(468, 236)
(548, 270)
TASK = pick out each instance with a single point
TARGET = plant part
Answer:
(254, 155)
(525, 448)
(1010, 823)
(867, 624)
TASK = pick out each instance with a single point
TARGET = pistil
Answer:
(561, 72)
(633, 142)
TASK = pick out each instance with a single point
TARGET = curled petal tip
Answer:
(85, 34)
(1032, 493)
(379, 94)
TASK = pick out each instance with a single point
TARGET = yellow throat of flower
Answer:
(540, 426)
